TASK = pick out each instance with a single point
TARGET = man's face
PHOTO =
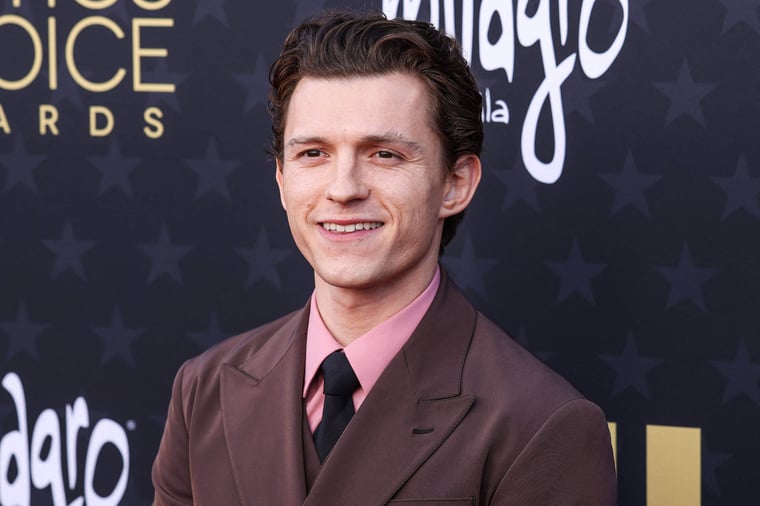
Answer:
(363, 181)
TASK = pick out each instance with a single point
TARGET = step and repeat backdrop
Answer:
(616, 233)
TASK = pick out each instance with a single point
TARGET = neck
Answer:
(349, 313)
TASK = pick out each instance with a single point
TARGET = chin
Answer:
(348, 282)
(342, 278)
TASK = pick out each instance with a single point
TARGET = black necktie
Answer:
(340, 383)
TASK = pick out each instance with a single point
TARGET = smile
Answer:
(352, 227)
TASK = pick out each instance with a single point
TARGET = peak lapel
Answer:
(389, 438)
(413, 408)
(262, 412)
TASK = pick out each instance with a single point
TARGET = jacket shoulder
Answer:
(237, 349)
(503, 372)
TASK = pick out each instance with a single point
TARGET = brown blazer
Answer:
(462, 415)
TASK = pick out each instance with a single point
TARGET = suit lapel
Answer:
(388, 439)
(413, 408)
(262, 412)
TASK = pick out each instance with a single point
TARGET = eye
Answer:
(386, 154)
(312, 153)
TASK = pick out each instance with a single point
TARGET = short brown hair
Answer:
(342, 43)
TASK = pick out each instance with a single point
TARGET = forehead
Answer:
(361, 104)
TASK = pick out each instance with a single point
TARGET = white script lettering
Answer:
(528, 30)
(40, 462)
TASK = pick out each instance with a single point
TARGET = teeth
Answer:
(353, 227)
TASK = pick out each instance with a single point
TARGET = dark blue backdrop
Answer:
(140, 224)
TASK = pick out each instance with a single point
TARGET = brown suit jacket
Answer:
(462, 415)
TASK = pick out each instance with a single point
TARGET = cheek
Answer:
(300, 201)
(294, 191)
(421, 210)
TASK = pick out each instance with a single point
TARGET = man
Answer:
(377, 135)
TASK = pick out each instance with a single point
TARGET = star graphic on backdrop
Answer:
(119, 11)
(23, 333)
(263, 260)
(631, 369)
(685, 96)
(117, 340)
(629, 185)
(307, 8)
(131, 493)
(469, 270)
(742, 375)
(115, 169)
(521, 187)
(212, 172)
(711, 461)
(162, 75)
(742, 190)
(490, 81)
(164, 257)
(211, 335)
(522, 338)
(19, 166)
(213, 9)
(68, 253)
(686, 280)
(159, 421)
(255, 84)
(5, 410)
(637, 13)
(577, 92)
(575, 275)
(24, 10)
(741, 11)
(67, 91)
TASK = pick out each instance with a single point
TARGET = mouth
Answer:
(350, 227)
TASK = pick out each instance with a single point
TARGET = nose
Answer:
(348, 181)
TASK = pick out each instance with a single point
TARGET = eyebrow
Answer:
(299, 141)
(393, 137)
(390, 137)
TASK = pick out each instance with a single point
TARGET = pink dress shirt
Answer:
(368, 355)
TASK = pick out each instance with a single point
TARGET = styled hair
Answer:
(344, 44)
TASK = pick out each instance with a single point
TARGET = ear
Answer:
(280, 184)
(460, 185)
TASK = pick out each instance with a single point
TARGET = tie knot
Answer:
(339, 376)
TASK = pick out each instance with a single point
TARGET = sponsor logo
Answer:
(72, 47)
(48, 456)
(527, 26)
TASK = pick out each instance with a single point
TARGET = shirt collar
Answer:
(371, 352)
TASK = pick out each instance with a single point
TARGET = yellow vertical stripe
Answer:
(673, 466)
(613, 439)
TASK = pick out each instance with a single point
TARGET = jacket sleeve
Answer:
(171, 468)
(567, 462)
